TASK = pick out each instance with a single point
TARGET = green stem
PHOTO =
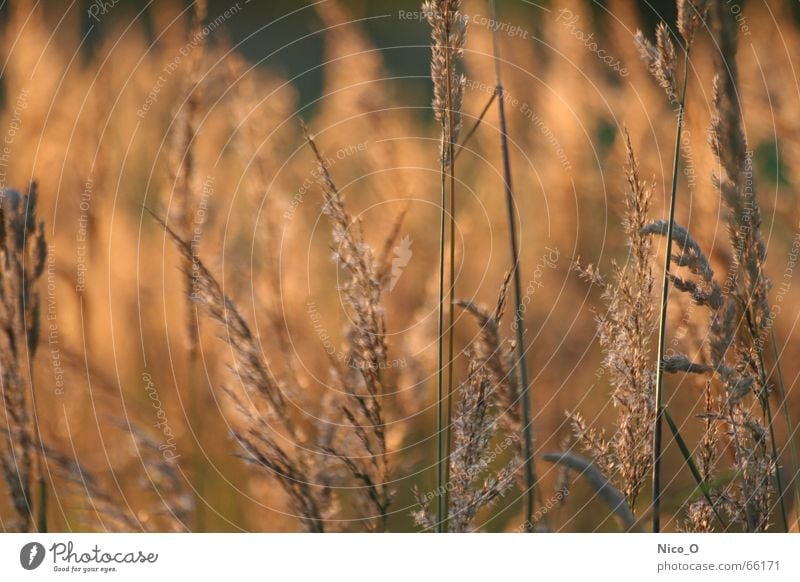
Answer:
(448, 170)
(440, 504)
(520, 365)
(662, 324)
(764, 397)
(687, 456)
(450, 308)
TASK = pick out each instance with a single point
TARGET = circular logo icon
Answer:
(31, 555)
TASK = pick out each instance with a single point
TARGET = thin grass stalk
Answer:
(476, 125)
(520, 366)
(789, 428)
(186, 178)
(763, 395)
(441, 509)
(662, 323)
(451, 167)
(687, 456)
(448, 35)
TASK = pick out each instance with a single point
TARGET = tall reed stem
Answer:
(443, 407)
(767, 409)
(662, 323)
(448, 36)
(452, 282)
(521, 367)
(440, 420)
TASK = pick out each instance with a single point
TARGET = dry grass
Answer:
(448, 34)
(24, 250)
(626, 330)
(476, 478)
